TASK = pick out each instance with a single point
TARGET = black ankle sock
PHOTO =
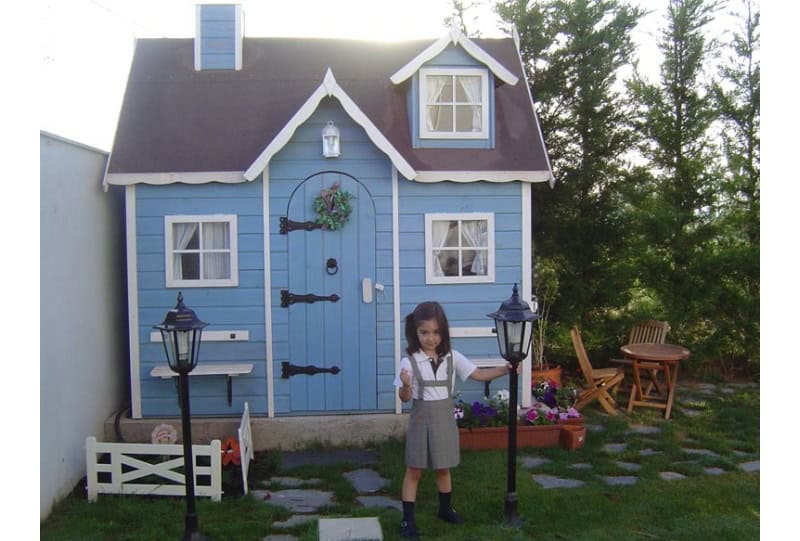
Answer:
(408, 511)
(445, 502)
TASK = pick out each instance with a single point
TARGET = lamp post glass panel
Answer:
(181, 332)
(513, 324)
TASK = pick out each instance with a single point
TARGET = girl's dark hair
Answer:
(423, 312)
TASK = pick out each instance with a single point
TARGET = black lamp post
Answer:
(513, 323)
(181, 332)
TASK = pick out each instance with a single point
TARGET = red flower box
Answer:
(569, 435)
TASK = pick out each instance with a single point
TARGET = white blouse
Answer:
(462, 366)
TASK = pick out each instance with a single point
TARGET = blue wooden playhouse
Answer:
(220, 147)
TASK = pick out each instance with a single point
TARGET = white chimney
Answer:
(218, 37)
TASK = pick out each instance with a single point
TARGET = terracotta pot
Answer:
(553, 373)
(496, 437)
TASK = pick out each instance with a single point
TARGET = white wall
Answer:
(83, 324)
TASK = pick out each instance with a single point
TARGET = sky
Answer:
(86, 46)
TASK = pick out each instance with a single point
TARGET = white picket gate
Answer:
(122, 468)
(245, 445)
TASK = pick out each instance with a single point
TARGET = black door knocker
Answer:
(331, 266)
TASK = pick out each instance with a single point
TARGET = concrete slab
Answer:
(350, 529)
(551, 481)
(703, 452)
(290, 482)
(628, 466)
(366, 481)
(644, 429)
(580, 466)
(649, 452)
(713, 471)
(279, 537)
(296, 500)
(671, 475)
(380, 501)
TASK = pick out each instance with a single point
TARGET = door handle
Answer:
(366, 290)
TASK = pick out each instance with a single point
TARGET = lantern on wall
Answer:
(330, 141)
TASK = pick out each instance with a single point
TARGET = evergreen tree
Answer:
(573, 52)
(678, 192)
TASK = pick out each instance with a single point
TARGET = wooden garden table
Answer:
(654, 358)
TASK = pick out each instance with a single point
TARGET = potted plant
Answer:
(484, 425)
(546, 291)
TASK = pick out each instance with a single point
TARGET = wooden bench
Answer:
(209, 369)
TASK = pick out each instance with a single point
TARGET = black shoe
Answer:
(408, 530)
(451, 516)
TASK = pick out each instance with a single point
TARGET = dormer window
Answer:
(454, 103)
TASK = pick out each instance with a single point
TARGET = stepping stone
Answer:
(691, 413)
(580, 466)
(292, 459)
(379, 501)
(739, 453)
(728, 390)
(594, 428)
(551, 481)
(649, 452)
(614, 447)
(295, 520)
(534, 461)
(290, 482)
(671, 475)
(619, 480)
(644, 429)
(341, 529)
(296, 500)
(629, 466)
(704, 452)
(366, 480)
(279, 537)
(713, 471)
(752, 466)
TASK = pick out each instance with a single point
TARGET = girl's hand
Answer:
(405, 377)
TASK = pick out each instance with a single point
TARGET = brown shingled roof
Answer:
(176, 119)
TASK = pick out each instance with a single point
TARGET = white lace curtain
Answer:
(435, 86)
(476, 235)
(182, 235)
(471, 86)
(440, 230)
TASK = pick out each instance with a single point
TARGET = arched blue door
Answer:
(327, 334)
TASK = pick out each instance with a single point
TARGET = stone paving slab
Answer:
(279, 537)
(350, 529)
(704, 452)
(295, 520)
(290, 482)
(617, 480)
(671, 475)
(713, 471)
(534, 461)
(551, 481)
(649, 452)
(366, 481)
(580, 466)
(380, 501)
(644, 429)
(614, 447)
(752, 466)
(296, 500)
(629, 466)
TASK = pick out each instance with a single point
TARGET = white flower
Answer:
(458, 413)
(502, 395)
(164, 434)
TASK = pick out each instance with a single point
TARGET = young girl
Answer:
(427, 376)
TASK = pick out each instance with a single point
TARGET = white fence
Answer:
(112, 468)
(245, 435)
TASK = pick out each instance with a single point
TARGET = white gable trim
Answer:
(456, 37)
(488, 176)
(329, 87)
(198, 177)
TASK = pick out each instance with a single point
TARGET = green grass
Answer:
(701, 506)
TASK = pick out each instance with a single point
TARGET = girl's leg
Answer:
(445, 485)
(410, 484)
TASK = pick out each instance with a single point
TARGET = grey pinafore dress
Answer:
(432, 437)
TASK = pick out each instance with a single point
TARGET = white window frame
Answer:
(430, 273)
(231, 220)
(424, 133)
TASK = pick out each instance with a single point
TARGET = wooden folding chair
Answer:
(599, 381)
(650, 331)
